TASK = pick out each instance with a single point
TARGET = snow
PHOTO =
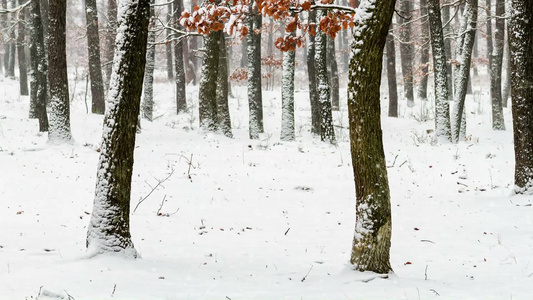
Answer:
(262, 219)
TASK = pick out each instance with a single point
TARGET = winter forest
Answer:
(266, 149)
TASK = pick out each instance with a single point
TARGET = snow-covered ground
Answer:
(242, 219)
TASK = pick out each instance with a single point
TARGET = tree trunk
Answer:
(372, 238)
(287, 95)
(496, 68)
(59, 130)
(311, 72)
(148, 98)
(168, 45)
(222, 97)
(506, 89)
(21, 40)
(3, 40)
(448, 45)
(442, 94)
(109, 228)
(463, 55)
(181, 100)
(391, 75)
(11, 46)
(327, 133)
(110, 35)
(95, 67)
(207, 103)
(406, 51)
(424, 51)
(333, 73)
(488, 29)
(521, 48)
(255, 98)
(39, 68)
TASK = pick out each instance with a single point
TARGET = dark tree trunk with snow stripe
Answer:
(95, 67)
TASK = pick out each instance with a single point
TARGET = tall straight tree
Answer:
(109, 228)
(222, 97)
(59, 130)
(179, 64)
(373, 229)
(10, 45)
(521, 48)
(406, 50)
(311, 73)
(3, 40)
(39, 68)
(287, 94)
(255, 93)
(207, 103)
(148, 97)
(327, 133)
(447, 31)
(464, 47)
(21, 41)
(333, 73)
(496, 68)
(95, 68)
(442, 94)
(170, 64)
(110, 33)
(391, 75)
(424, 51)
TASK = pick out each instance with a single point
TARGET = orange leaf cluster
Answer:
(240, 74)
(334, 22)
(289, 43)
(271, 61)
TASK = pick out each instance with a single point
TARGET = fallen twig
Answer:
(153, 189)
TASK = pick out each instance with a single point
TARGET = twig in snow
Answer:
(287, 230)
(114, 289)
(435, 292)
(161, 206)
(153, 189)
(460, 183)
(428, 241)
(402, 164)
(393, 162)
(69, 296)
(426, 273)
(303, 279)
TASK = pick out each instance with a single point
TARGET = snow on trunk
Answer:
(148, 97)
(287, 95)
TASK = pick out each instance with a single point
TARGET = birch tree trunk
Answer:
(372, 238)
(59, 130)
(109, 228)
(521, 48)
(95, 66)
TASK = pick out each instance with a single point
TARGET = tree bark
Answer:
(148, 98)
(521, 48)
(311, 72)
(496, 68)
(442, 94)
(110, 35)
(39, 69)
(223, 115)
(21, 40)
(333, 73)
(59, 130)
(447, 44)
(506, 89)
(168, 45)
(391, 75)
(372, 238)
(424, 51)
(181, 100)
(10, 45)
(3, 40)
(327, 133)
(255, 98)
(406, 51)
(109, 228)
(287, 95)
(207, 103)
(95, 66)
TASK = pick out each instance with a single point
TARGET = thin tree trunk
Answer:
(3, 20)
(448, 45)
(95, 67)
(39, 68)
(464, 46)
(148, 98)
(109, 228)
(333, 73)
(391, 75)
(11, 45)
(506, 89)
(442, 94)
(110, 35)
(59, 130)
(168, 45)
(21, 40)
(311, 72)
(406, 51)
(372, 238)
(496, 68)
(179, 64)
(222, 97)
(424, 51)
(327, 133)
(287, 95)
